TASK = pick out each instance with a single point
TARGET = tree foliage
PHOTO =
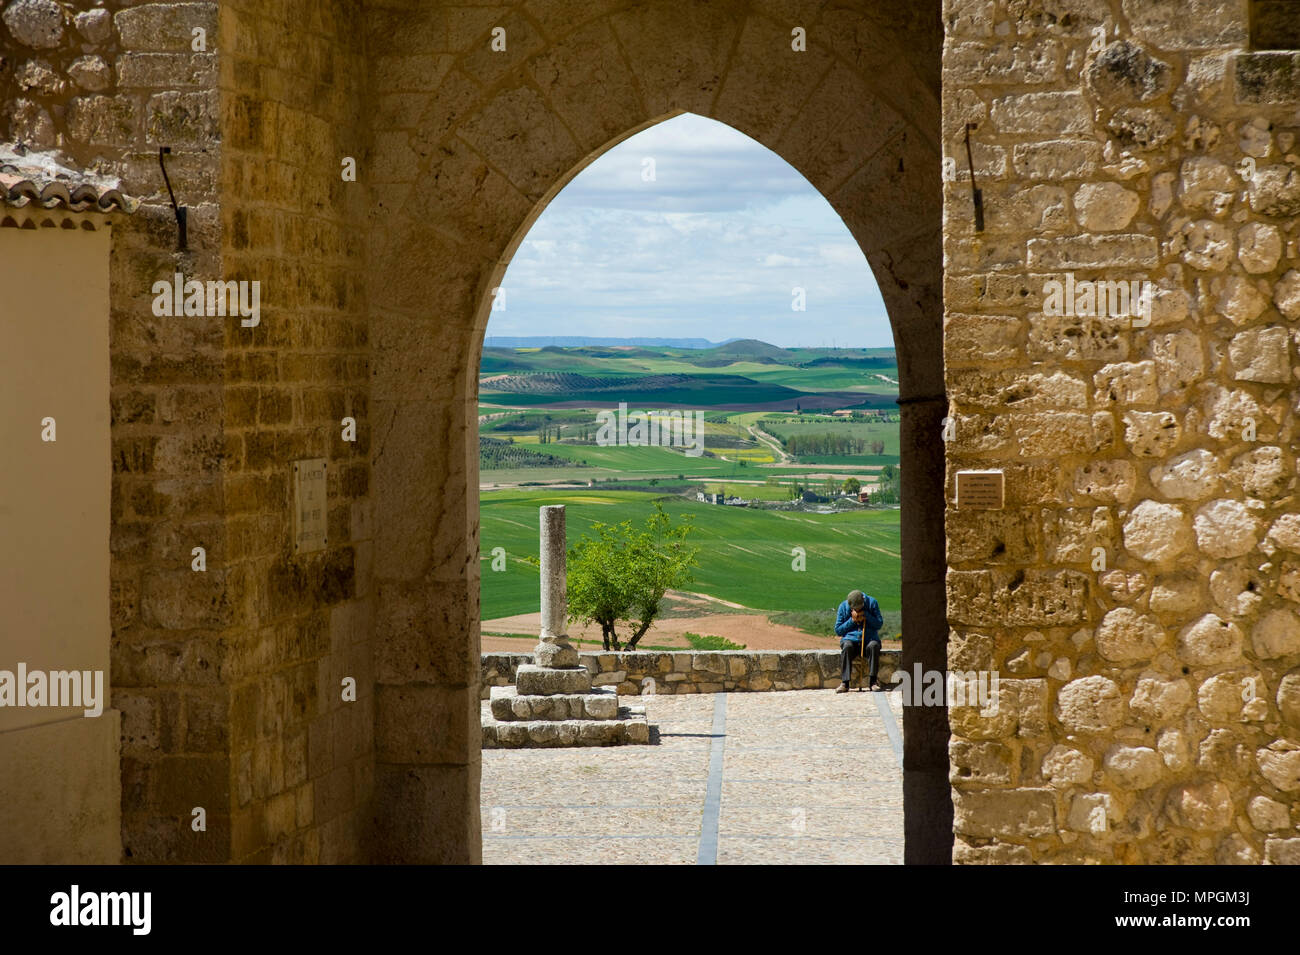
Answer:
(887, 486)
(839, 445)
(622, 573)
(493, 453)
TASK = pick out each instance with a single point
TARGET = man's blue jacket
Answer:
(845, 626)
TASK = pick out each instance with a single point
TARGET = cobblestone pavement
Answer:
(803, 777)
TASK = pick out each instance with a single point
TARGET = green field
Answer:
(703, 479)
(739, 373)
(871, 431)
(522, 389)
(643, 463)
(745, 554)
(829, 378)
(583, 424)
(703, 391)
(637, 460)
(862, 460)
(762, 492)
(845, 367)
(789, 427)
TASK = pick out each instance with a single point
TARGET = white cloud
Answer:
(710, 249)
(544, 247)
(847, 253)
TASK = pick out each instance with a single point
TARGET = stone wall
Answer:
(697, 671)
(228, 680)
(291, 85)
(1139, 591)
(107, 86)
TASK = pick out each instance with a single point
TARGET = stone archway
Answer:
(463, 164)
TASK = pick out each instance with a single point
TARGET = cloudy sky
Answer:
(710, 249)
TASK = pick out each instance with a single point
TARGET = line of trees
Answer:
(839, 445)
(858, 417)
(494, 454)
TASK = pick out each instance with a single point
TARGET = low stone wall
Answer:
(697, 671)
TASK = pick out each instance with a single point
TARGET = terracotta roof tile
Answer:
(39, 179)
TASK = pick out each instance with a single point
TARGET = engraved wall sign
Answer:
(309, 505)
(982, 489)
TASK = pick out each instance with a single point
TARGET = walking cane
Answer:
(862, 656)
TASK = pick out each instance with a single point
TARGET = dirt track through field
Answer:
(753, 630)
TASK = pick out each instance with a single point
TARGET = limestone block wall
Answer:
(291, 83)
(1138, 592)
(695, 671)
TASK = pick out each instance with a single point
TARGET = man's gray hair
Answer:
(856, 600)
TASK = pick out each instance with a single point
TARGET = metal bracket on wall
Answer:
(181, 239)
(976, 196)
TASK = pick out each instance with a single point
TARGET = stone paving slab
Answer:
(793, 822)
(556, 786)
(824, 755)
(788, 851)
(758, 767)
(503, 822)
(636, 850)
(798, 792)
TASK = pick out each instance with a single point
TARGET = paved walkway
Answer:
(800, 777)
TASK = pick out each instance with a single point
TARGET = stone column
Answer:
(927, 797)
(554, 650)
(553, 702)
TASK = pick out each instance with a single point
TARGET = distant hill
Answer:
(742, 374)
(751, 349)
(579, 341)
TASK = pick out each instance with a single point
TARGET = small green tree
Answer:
(852, 486)
(622, 574)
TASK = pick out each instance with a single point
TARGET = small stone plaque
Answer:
(983, 489)
(309, 505)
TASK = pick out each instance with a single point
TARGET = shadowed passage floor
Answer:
(804, 777)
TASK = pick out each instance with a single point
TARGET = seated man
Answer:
(858, 624)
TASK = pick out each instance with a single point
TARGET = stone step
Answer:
(533, 680)
(628, 729)
(508, 704)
